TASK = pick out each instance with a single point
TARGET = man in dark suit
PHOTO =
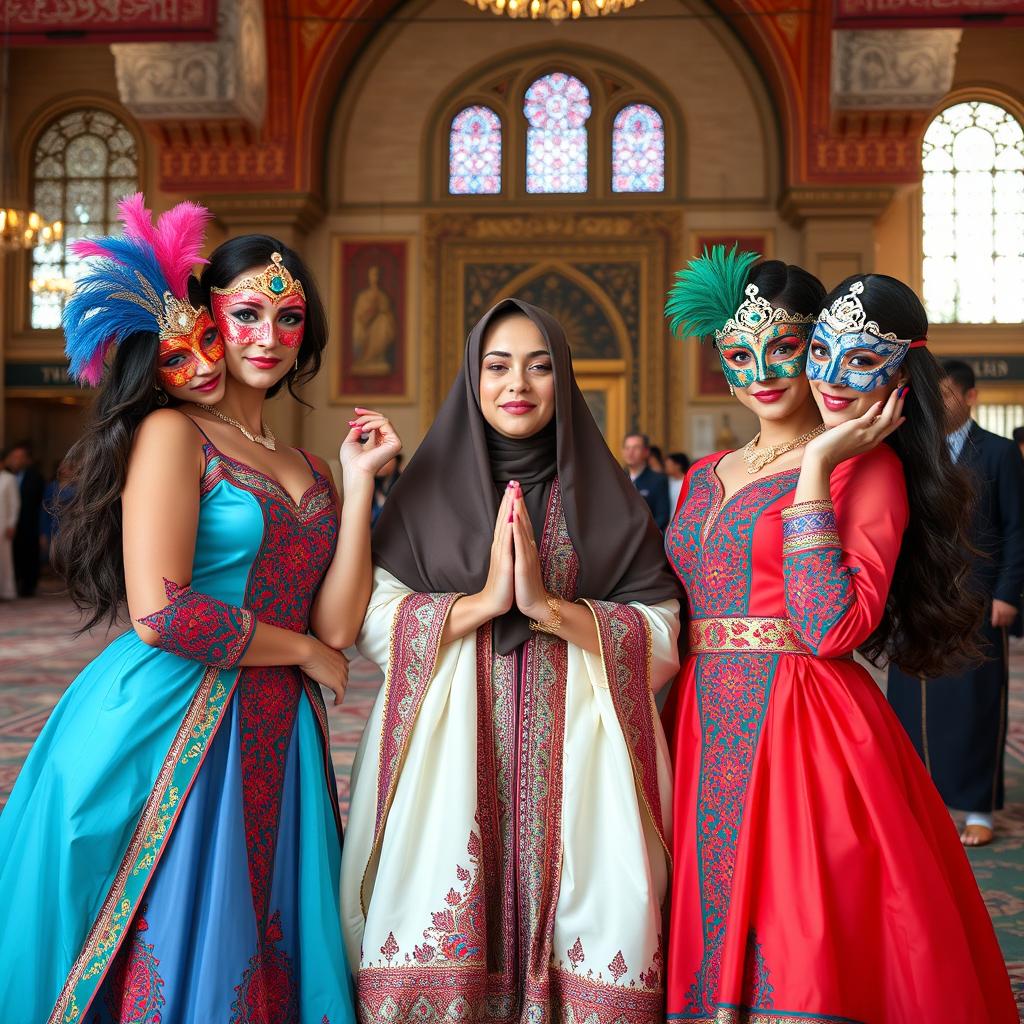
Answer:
(26, 534)
(958, 723)
(653, 487)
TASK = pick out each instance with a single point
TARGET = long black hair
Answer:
(246, 252)
(86, 548)
(931, 615)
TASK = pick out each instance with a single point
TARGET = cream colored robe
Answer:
(505, 857)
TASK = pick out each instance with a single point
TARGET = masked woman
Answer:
(505, 856)
(185, 776)
(817, 875)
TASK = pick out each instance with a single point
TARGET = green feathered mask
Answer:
(708, 290)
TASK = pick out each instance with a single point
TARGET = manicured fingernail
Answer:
(903, 391)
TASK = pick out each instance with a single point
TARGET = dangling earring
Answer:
(732, 391)
(161, 396)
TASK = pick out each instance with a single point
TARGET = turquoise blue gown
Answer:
(171, 849)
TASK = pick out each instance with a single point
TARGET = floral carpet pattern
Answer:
(40, 655)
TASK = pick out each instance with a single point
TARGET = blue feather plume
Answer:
(122, 294)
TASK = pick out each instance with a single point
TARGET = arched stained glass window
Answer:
(973, 212)
(83, 163)
(638, 150)
(474, 153)
(556, 107)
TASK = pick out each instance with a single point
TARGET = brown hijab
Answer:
(436, 528)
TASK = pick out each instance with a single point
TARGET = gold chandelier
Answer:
(25, 229)
(553, 10)
(19, 228)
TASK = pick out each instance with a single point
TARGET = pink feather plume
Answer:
(93, 371)
(83, 248)
(176, 239)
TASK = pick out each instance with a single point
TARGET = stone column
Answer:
(837, 228)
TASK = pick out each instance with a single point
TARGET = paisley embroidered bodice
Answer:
(710, 543)
(246, 517)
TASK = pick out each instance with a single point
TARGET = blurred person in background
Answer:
(653, 487)
(20, 462)
(10, 505)
(676, 465)
(958, 721)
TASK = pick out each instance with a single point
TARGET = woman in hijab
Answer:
(505, 857)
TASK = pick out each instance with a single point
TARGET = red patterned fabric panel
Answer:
(201, 628)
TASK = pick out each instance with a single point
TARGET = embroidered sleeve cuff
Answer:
(201, 628)
(809, 525)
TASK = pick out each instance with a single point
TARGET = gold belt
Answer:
(744, 634)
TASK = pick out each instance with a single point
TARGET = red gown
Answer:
(818, 876)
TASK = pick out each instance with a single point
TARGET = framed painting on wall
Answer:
(370, 320)
(708, 383)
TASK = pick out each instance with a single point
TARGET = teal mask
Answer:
(761, 341)
(778, 351)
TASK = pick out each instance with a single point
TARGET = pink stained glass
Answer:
(556, 107)
(474, 153)
(638, 150)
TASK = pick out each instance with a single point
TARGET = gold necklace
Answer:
(266, 439)
(757, 458)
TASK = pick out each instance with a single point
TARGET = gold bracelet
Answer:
(554, 623)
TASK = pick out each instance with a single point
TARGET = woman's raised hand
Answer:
(499, 590)
(860, 435)
(531, 596)
(381, 446)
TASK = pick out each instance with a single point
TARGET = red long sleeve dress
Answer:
(818, 876)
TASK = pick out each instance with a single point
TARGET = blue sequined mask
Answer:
(843, 336)
(831, 356)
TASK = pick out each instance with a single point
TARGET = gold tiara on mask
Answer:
(276, 282)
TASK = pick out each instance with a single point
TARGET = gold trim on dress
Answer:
(811, 541)
(108, 928)
(745, 634)
(802, 508)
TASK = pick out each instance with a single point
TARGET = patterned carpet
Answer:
(39, 655)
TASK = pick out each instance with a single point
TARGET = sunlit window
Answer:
(557, 107)
(474, 153)
(973, 206)
(1000, 419)
(83, 163)
(638, 150)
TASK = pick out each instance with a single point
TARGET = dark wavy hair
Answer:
(86, 549)
(932, 614)
(247, 252)
(789, 286)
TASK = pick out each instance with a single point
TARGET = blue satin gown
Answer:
(171, 849)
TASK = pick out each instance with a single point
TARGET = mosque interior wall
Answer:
(381, 155)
